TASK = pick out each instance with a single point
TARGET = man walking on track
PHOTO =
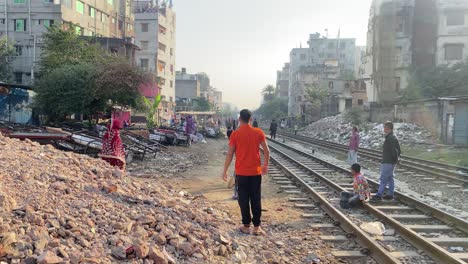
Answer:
(273, 129)
(245, 144)
(390, 157)
(353, 147)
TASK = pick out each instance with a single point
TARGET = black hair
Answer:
(389, 125)
(245, 115)
(355, 129)
(356, 167)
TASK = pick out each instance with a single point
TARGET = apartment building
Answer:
(187, 86)
(24, 21)
(155, 28)
(282, 81)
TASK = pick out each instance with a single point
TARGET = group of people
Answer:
(390, 158)
(274, 128)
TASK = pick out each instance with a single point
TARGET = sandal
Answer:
(245, 229)
(258, 231)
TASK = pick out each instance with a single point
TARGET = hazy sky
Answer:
(241, 44)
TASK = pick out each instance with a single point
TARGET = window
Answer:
(18, 77)
(19, 1)
(92, 11)
(67, 3)
(399, 24)
(20, 25)
(170, 98)
(342, 45)
(172, 69)
(144, 45)
(330, 84)
(80, 7)
(37, 22)
(360, 102)
(49, 1)
(455, 18)
(120, 25)
(144, 63)
(104, 17)
(48, 23)
(397, 83)
(144, 27)
(162, 30)
(171, 85)
(162, 47)
(303, 57)
(110, 2)
(19, 50)
(454, 52)
(171, 51)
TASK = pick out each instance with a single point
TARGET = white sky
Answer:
(241, 44)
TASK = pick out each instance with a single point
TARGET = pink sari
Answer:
(112, 147)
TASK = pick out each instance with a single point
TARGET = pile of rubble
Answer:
(61, 207)
(337, 129)
(166, 163)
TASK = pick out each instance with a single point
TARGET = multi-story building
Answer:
(339, 49)
(413, 34)
(452, 37)
(282, 81)
(187, 86)
(298, 58)
(24, 21)
(217, 100)
(155, 28)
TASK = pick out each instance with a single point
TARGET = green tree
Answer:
(432, 82)
(268, 92)
(355, 116)
(152, 109)
(68, 90)
(6, 54)
(64, 46)
(118, 82)
(347, 75)
(201, 104)
(315, 95)
(276, 108)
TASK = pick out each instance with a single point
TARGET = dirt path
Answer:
(283, 222)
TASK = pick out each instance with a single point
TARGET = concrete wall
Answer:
(150, 37)
(451, 34)
(297, 58)
(187, 89)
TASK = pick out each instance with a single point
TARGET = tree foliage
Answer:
(276, 108)
(315, 95)
(269, 92)
(6, 54)
(80, 77)
(64, 46)
(68, 90)
(439, 81)
(152, 109)
(201, 104)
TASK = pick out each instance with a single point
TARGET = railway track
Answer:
(422, 231)
(453, 174)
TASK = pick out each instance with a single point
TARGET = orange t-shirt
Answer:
(247, 140)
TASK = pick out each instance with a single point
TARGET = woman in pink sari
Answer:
(112, 147)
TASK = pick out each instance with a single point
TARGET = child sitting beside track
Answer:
(361, 193)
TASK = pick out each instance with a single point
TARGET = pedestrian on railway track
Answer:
(273, 129)
(245, 144)
(361, 193)
(353, 147)
(255, 123)
(390, 158)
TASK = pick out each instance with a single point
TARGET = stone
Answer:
(141, 250)
(48, 257)
(279, 243)
(160, 239)
(157, 255)
(187, 248)
(222, 251)
(6, 202)
(119, 253)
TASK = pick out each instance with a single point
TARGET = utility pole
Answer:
(6, 20)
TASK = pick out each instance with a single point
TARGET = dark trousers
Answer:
(273, 134)
(249, 191)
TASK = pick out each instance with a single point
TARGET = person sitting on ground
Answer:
(273, 129)
(361, 193)
(245, 145)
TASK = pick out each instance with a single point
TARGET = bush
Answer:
(355, 116)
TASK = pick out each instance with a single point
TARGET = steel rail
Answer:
(430, 248)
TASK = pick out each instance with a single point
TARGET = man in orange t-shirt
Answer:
(245, 144)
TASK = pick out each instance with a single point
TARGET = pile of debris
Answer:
(59, 207)
(337, 129)
(167, 163)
